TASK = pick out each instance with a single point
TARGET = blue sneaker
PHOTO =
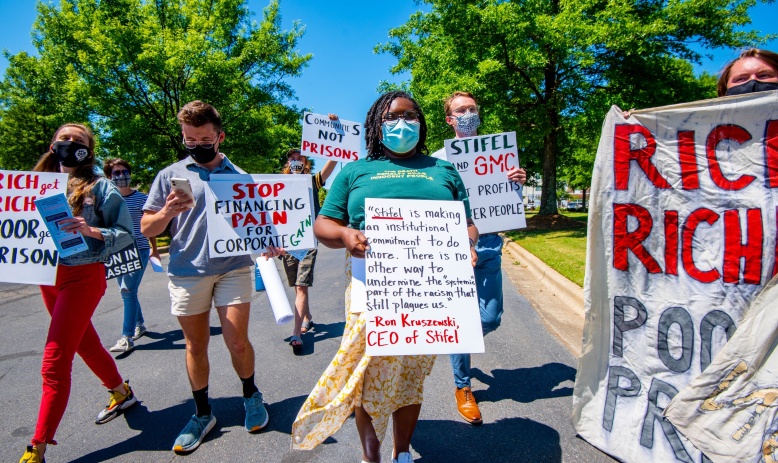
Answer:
(193, 433)
(256, 414)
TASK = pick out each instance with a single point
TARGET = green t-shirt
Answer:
(420, 177)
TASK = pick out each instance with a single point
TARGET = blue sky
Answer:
(344, 73)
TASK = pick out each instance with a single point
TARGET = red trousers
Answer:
(71, 303)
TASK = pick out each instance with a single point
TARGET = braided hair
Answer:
(374, 120)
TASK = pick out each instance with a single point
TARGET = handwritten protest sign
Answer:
(248, 213)
(681, 239)
(421, 296)
(483, 163)
(336, 140)
(27, 252)
(123, 262)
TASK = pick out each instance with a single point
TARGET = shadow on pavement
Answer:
(509, 440)
(164, 341)
(327, 331)
(525, 385)
(158, 429)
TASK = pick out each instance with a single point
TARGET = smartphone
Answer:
(182, 184)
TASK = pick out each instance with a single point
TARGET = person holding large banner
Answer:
(196, 280)
(299, 272)
(754, 70)
(681, 241)
(120, 173)
(375, 388)
(101, 217)
(462, 114)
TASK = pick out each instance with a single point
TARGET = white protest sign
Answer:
(681, 239)
(421, 293)
(335, 140)
(247, 213)
(483, 163)
(27, 252)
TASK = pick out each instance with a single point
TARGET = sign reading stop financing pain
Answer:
(247, 213)
(28, 255)
(483, 163)
(335, 140)
(421, 293)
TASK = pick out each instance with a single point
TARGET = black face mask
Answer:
(202, 155)
(752, 86)
(71, 154)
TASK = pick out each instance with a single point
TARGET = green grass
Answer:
(562, 250)
(163, 240)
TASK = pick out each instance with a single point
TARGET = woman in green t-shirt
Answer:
(375, 388)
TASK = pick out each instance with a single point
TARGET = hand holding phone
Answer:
(182, 185)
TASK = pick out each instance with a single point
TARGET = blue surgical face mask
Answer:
(468, 123)
(401, 137)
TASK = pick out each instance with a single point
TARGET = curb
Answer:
(558, 301)
(550, 277)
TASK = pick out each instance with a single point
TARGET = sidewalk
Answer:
(558, 301)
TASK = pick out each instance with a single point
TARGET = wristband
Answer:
(472, 243)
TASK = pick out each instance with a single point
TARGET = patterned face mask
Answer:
(296, 167)
(121, 182)
(468, 123)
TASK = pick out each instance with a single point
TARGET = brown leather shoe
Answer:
(467, 406)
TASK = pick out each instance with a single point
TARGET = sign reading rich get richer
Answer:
(421, 293)
(335, 140)
(248, 213)
(27, 253)
(483, 163)
(681, 240)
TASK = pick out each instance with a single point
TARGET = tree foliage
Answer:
(549, 69)
(130, 65)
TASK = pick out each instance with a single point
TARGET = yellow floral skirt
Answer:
(381, 385)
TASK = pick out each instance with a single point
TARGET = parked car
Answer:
(575, 205)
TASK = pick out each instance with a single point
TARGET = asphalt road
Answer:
(523, 384)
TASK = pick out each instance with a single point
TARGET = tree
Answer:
(33, 103)
(139, 61)
(549, 69)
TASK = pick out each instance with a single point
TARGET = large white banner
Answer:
(421, 293)
(483, 162)
(27, 252)
(681, 238)
(335, 140)
(248, 213)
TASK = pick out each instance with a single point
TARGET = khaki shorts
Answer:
(194, 295)
(300, 272)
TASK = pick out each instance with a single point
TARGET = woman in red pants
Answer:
(102, 217)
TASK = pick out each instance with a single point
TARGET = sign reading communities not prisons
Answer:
(681, 239)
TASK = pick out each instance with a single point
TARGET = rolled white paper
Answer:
(275, 291)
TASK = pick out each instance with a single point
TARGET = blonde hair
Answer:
(82, 178)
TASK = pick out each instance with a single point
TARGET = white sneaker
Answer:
(124, 344)
(404, 457)
(140, 330)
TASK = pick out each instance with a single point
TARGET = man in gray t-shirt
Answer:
(197, 281)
